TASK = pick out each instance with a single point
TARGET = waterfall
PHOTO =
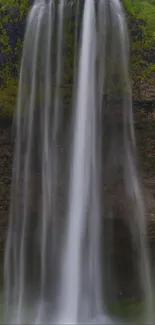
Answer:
(66, 162)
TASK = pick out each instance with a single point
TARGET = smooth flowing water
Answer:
(68, 158)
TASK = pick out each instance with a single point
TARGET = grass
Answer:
(142, 9)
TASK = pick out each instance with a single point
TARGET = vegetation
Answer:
(142, 9)
(12, 21)
(128, 310)
(141, 22)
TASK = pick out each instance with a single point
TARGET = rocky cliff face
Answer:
(5, 176)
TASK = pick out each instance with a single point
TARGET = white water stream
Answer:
(53, 259)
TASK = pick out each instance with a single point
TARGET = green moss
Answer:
(149, 73)
(8, 95)
(141, 21)
(142, 9)
(10, 69)
(128, 310)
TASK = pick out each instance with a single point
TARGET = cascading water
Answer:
(61, 175)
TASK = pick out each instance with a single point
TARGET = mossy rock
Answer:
(8, 97)
(141, 23)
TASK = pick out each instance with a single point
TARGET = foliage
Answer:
(142, 9)
(141, 20)
(8, 95)
(12, 21)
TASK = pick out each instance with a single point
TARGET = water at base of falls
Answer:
(74, 154)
